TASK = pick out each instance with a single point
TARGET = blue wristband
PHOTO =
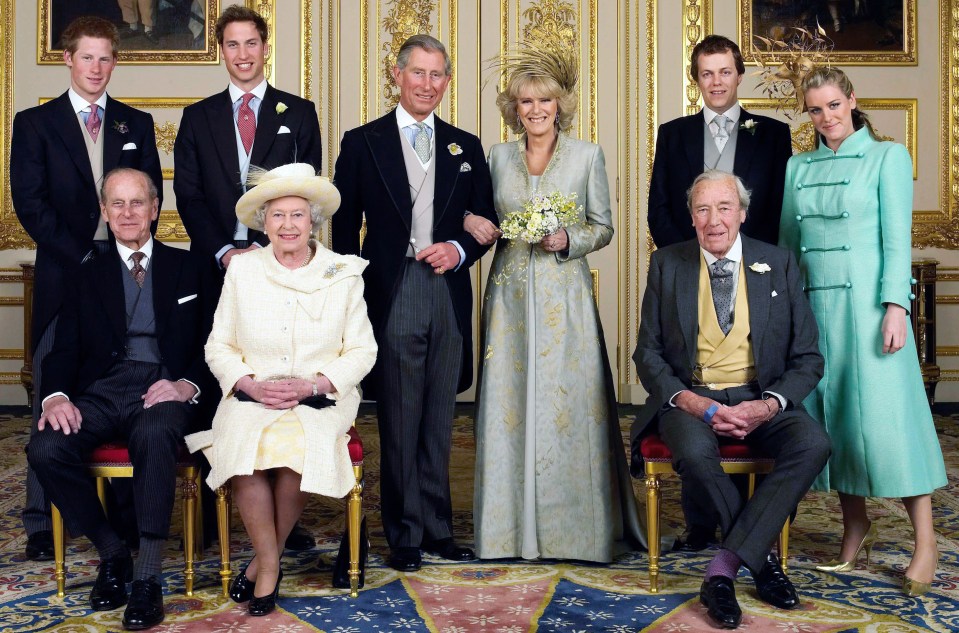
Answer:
(710, 412)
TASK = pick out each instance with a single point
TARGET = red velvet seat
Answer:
(354, 515)
(113, 460)
(735, 458)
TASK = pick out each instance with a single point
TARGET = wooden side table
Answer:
(923, 315)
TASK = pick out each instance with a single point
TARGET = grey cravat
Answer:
(421, 142)
(722, 134)
(721, 284)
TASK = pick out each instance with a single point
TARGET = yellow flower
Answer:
(454, 149)
(281, 108)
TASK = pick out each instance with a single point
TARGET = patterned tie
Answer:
(722, 134)
(421, 142)
(721, 283)
(138, 271)
(246, 122)
(93, 122)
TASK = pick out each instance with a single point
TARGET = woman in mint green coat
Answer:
(847, 215)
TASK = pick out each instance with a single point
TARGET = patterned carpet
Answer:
(498, 597)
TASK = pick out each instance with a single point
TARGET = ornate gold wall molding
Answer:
(404, 19)
(697, 23)
(267, 9)
(12, 234)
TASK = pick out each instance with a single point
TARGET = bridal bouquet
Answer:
(542, 215)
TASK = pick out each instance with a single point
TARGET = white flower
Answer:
(454, 149)
(760, 268)
(281, 107)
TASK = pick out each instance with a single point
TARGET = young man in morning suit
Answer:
(59, 152)
(728, 348)
(414, 177)
(753, 147)
(250, 124)
(127, 363)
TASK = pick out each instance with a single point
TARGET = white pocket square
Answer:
(466, 167)
(774, 294)
(129, 146)
(283, 130)
(183, 300)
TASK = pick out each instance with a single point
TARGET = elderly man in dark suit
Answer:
(127, 362)
(728, 349)
(58, 155)
(250, 124)
(415, 176)
(721, 136)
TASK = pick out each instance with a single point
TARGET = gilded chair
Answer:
(354, 516)
(112, 460)
(736, 458)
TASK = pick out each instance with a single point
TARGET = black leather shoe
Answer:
(341, 567)
(299, 539)
(406, 559)
(264, 605)
(448, 549)
(241, 589)
(110, 589)
(152, 37)
(719, 596)
(774, 587)
(40, 545)
(145, 608)
(695, 539)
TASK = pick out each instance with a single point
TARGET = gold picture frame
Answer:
(182, 36)
(864, 34)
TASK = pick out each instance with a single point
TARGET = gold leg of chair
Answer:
(354, 514)
(60, 572)
(102, 492)
(223, 530)
(198, 521)
(784, 545)
(189, 520)
(652, 530)
(752, 485)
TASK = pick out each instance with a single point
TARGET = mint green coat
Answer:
(847, 216)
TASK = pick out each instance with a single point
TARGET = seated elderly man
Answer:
(728, 349)
(127, 363)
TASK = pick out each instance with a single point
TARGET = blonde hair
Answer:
(539, 85)
(832, 76)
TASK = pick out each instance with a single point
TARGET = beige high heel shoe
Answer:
(837, 566)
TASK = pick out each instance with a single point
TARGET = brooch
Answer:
(333, 270)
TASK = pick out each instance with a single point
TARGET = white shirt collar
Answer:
(80, 104)
(735, 252)
(146, 249)
(732, 113)
(404, 119)
(258, 92)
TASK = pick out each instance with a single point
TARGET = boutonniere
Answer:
(760, 268)
(333, 270)
(454, 149)
(121, 127)
(466, 167)
(749, 125)
(281, 108)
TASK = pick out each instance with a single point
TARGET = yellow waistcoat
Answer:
(723, 361)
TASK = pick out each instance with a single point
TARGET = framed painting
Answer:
(151, 31)
(860, 32)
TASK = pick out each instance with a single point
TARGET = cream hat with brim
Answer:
(295, 179)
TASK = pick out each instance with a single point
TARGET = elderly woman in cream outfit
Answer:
(291, 341)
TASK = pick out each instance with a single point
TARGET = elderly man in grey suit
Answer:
(728, 349)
